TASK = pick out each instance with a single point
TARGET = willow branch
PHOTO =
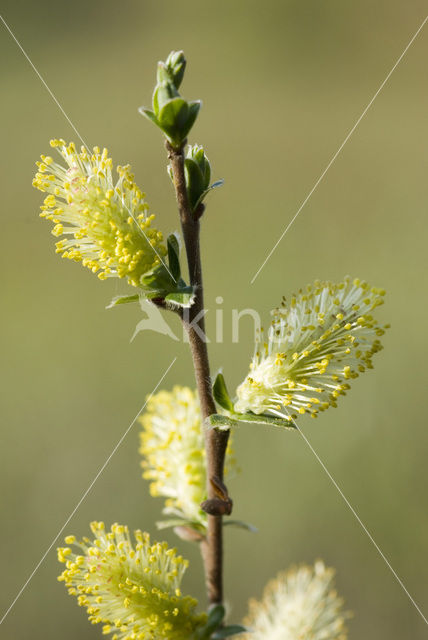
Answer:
(193, 320)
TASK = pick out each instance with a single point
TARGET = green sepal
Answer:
(117, 300)
(221, 394)
(263, 418)
(221, 422)
(230, 630)
(240, 524)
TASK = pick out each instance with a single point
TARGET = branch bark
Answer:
(193, 320)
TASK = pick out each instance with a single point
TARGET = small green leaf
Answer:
(204, 194)
(241, 525)
(157, 280)
(173, 115)
(173, 256)
(194, 182)
(163, 94)
(220, 393)
(166, 524)
(163, 75)
(122, 300)
(149, 115)
(231, 630)
(215, 617)
(262, 418)
(194, 108)
(184, 298)
(179, 522)
(219, 421)
(155, 101)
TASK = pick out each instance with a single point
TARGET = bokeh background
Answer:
(282, 83)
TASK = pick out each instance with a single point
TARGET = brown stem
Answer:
(193, 320)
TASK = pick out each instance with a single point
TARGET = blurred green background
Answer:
(282, 83)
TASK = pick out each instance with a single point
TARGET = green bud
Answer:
(197, 171)
(174, 115)
(197, 154)
(175, 65)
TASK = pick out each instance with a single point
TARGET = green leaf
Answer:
(179, 522)
(194, 182)
(241, 525)
(215, 618)
(122, 300)
(163, 75)
(166, 524)
(220, 393)
(197, 154)
(163, 94)
(173, 256)
(157, 281)
(155, 101)
(183, 298)
(231, 630)
(176, 118)
(149, 115)
(194, 108)
(173, 116)
(263, 419)
(219, 421)
(218, 183)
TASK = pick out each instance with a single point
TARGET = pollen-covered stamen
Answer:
(105, 223)
(325, 337)
(134, 590)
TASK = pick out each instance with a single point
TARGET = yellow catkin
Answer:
(173, 450)
(316, 346)
(132, 588)
(299, 603)
(105, 223)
